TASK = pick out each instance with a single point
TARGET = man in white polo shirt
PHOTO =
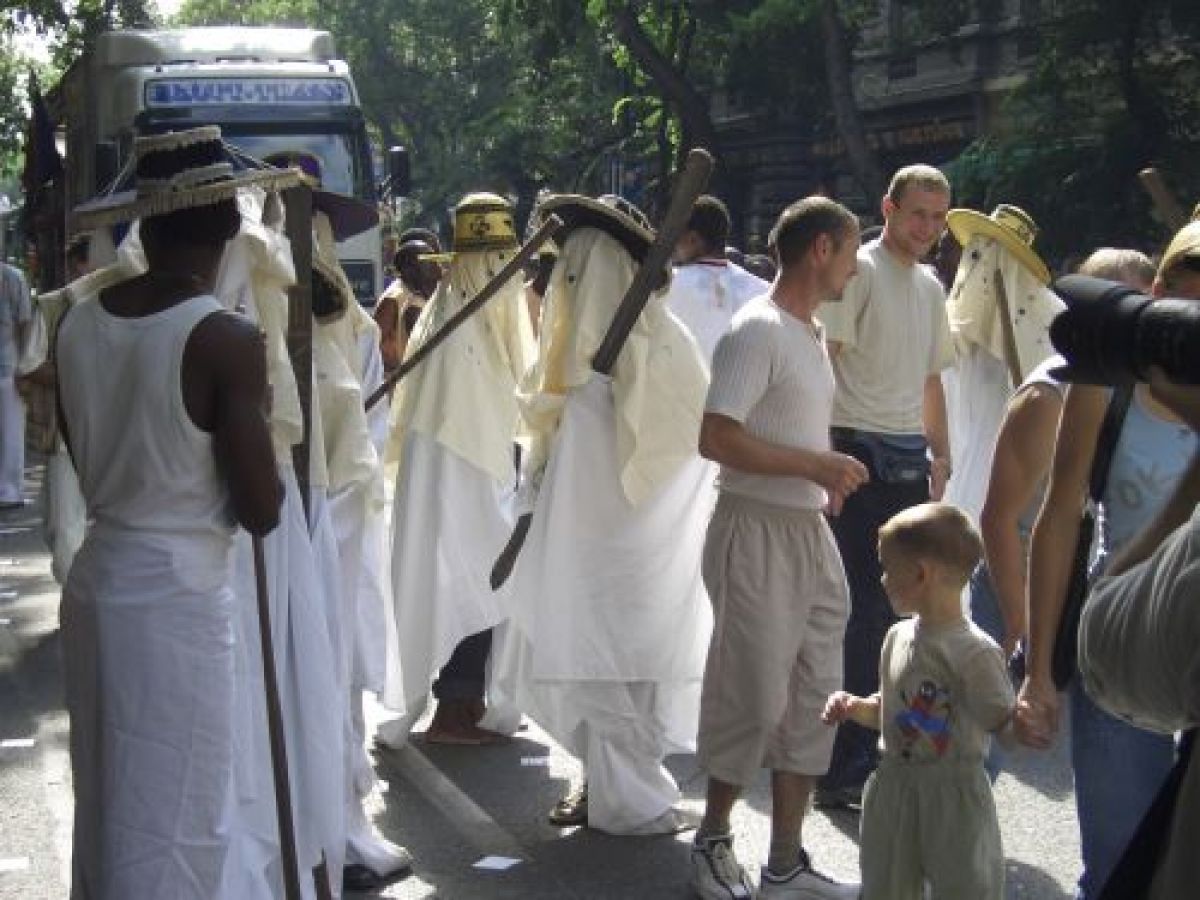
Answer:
(889, 340)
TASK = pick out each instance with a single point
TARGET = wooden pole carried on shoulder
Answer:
(692, 180)
(297, 202)
(528, 250)
(1012, 356)
(691, 184)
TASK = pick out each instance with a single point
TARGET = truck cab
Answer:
(275, 92)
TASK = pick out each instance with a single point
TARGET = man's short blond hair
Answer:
(1131, 267)
(921, 176)
(940, 533)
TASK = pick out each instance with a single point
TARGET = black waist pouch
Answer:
(890, 458)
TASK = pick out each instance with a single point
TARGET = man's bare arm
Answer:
(232, 352)
(726, 441)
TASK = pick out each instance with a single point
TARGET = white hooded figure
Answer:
(65, 512)
(993, 356)
(346, 503)
(256, 273)
(455, 421)
(611, 618)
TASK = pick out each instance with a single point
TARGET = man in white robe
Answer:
(342, 330)
(255, 275)
(610, 616)
(706, 287)
(454, 428)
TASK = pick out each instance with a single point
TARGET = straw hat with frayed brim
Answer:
(347, 215)
(1010, 226)
(325, 263)
(175, 171)
(623, 224)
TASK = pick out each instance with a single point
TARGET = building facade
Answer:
(923, 97)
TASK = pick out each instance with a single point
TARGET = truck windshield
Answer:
(335, 152)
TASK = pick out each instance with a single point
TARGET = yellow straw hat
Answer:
(1010, 226)
(1184, 245)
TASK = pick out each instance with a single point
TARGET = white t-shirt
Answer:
(771, 373)
(943, 689)
(1139, 655)
(1139, 637)
(892, 325)
(705, 295)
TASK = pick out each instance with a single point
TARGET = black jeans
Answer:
(462, 677)
(855, 751)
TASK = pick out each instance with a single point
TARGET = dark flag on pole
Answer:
(42, 162)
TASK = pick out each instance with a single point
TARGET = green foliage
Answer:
(12, 126)
(517, 95)
(481, 101)
(1116, 89)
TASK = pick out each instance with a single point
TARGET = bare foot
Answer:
(454, 723)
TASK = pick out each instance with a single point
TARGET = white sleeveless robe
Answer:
(148, 615)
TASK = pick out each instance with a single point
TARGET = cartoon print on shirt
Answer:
(924, 720)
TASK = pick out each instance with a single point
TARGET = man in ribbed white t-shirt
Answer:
(771, 565)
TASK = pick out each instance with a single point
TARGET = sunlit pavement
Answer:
(453, 807)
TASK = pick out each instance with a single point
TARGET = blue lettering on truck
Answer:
(233, 91)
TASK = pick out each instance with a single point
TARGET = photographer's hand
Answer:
(1035, 719)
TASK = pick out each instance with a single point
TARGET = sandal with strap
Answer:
(571, 809)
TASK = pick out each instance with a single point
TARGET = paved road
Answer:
(451, 806)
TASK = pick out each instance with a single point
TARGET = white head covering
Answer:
(659, 380)
(974, 309)
(463, 394)
(255, 274)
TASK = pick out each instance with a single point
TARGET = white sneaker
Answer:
(716, 873)
(804, 883)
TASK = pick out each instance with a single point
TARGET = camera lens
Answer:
(1096, 333)
(1168, 336)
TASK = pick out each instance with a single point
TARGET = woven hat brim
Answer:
(578, 211)
(337, 279)
(347, 215)
(125, 206)
(965, 224)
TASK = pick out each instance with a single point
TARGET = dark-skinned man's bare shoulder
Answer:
(225, 394)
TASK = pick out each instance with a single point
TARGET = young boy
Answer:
(928, 812)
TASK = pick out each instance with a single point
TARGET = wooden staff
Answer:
(297, 202)
(511, 268)
(692, 181)
(1164, 201)
(1012, 357)
(279, 763)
